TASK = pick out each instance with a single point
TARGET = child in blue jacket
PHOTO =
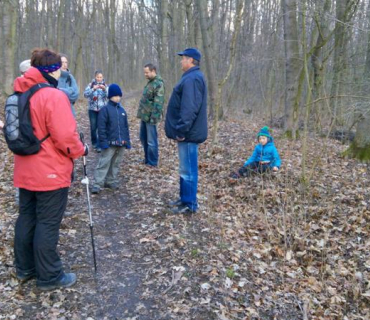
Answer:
(114, 138)
(265, 156)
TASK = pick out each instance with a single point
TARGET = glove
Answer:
(86, 150)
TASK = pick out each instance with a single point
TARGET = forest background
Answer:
(288, 59)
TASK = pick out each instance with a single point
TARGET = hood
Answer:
(29, 79)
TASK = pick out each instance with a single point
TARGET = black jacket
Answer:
(187, 109)
(113, 126)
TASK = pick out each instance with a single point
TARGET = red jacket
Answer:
(51, 168)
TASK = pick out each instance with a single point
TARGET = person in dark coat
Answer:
(186, 123)
(114, 138)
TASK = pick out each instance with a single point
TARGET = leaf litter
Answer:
(266, 247)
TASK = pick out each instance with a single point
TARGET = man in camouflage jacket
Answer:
(150, 112)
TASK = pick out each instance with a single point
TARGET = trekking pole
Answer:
(85, 181)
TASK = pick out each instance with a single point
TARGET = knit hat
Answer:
(114, 90)
(24, 66)
(264, 132)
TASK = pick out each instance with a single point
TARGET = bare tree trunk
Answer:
(210, 68)
(366, 84)
(163, 44)
(360, 147)
(61, 12)
(318, 62)
(292, 67)
(10, 26)
(343, 15)
(237, 23)
(190, 37)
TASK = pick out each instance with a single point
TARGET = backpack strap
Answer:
(26, 96)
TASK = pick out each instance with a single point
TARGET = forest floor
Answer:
(266, 247)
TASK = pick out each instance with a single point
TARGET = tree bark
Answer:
(292, 67)
(237, 23)
(207, 55)
(10, 16)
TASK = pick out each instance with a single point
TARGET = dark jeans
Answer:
(149, 140)
(254, 167)
(188, 158)
(93, 116)
(37, 234)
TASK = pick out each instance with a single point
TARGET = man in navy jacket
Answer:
(186, 123)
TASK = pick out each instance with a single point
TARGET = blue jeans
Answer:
(93, 116)
(149, 140)
(188, 161)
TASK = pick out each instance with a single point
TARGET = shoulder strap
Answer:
(31, 91)
(26, 96)
(69, 80)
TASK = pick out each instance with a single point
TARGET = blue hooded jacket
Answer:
(113, 126)
(187, 109)
(67, 83)
(266, 153)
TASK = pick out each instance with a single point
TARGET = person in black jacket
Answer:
(114, 137)
(186, 123)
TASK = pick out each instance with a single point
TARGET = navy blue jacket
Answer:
(113, 126)
(187, 109)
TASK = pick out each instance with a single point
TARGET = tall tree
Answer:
(344, 12)
(292, 66)
(208, 54)
(10, 14)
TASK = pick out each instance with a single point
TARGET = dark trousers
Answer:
(93, 116)
(37, 234)
(254, 167)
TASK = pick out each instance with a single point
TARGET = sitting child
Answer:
(114, 138)
(265, 156)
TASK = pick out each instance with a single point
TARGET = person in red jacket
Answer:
(44, 178)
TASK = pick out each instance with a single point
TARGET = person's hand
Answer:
(1, 124)
(102, 86)
(275, 169)
(96, 87)
(86, 150)
(180, 139)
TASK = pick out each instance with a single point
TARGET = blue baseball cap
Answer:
(192, 53)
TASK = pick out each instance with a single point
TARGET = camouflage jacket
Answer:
(151, 103)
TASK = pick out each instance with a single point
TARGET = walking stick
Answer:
(85, 181)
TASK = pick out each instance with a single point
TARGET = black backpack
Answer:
(18, 128)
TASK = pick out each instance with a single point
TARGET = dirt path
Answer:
(139, 257)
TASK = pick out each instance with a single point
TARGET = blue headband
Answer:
(48, 69)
